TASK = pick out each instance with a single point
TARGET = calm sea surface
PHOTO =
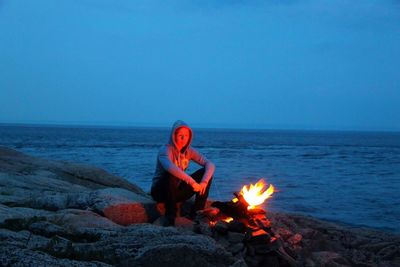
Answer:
(349, 177)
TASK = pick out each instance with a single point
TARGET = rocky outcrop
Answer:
(65, 214)
(320, 243)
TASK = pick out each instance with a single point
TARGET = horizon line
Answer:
(193, 125)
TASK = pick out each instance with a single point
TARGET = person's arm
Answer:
(164, 158)
(203, 161)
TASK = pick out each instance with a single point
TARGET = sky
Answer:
(307, 64)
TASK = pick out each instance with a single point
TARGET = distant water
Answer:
(348, 177)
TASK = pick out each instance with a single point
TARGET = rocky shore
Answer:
(64, 214)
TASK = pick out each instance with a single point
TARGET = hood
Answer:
(178, 124)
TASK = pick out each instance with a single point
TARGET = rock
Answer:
(19, 238)
(389, 252)
(10, 217)
(270, 261)
(235, 237)
(376, 246)
(254, 261)
(221, 227)
(239, 263)
(166, 255)
(236, 226)
(184, 223)
(45, 228)
(66, 214)
(284, 232)
(59, 246)
(161, 245)
(295, 239)
(222, 240)
(123, 207)
(236, 248)
(329, 258)
(15, 256)
(37, 242)
(53, 175)
(202, 228)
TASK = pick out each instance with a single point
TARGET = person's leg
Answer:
(172, 198)
(172, 190)
(200, 200)
(166, 191)
(159, 190)
(186, 191)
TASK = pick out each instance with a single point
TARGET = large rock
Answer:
(14, 162)
(48, 185)
(123, 206)
(53, 212)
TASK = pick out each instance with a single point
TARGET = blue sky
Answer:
(254, 64)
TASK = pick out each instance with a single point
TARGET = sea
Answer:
(347, 177)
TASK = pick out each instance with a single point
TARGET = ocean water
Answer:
(347, 177)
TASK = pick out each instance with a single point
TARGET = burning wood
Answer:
(248, 199)
(243, 216)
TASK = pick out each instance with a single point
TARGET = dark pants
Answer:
(171, 190)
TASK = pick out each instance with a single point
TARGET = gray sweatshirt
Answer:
(175, 162)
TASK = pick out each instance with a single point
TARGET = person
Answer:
(171, 184)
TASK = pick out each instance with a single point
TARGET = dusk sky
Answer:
(314, 64)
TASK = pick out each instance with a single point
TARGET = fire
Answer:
(228, 220)
(256, 194)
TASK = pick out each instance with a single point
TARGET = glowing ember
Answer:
(228, 220)
(256, 194)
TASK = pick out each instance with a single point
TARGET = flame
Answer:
(228, 220)
(256, 194)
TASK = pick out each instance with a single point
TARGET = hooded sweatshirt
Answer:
(175, 162)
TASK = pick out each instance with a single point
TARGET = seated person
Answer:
(170, 182)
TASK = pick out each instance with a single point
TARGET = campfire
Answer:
(244, 223)
(246, 203)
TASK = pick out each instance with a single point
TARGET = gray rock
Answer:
(236, 248)
(329, 258)
(53, 212)
(235, 237)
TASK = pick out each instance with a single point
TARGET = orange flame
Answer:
(256, 194)
(228, 220)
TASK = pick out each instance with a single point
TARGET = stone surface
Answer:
(67, 214)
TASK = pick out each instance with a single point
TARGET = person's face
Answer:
(182, 136)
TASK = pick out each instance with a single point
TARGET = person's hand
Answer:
(196, 187)
(203, 187)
